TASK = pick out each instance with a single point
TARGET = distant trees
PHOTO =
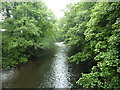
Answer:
(95, 29)
(28, 26)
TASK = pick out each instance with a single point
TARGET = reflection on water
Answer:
(60, 68)
(50, 71)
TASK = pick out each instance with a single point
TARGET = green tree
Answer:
(94, 29)
(74, 28)
(28, 26)
(104, 36)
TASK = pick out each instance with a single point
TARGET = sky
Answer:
(57, 5)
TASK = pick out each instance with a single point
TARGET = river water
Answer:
(52, 70)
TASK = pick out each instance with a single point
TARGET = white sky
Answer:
(57, 5)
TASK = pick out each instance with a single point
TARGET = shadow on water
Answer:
(52, 70)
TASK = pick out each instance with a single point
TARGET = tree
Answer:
(103, 30)
(75, 27)
(94, 28)
(28, 26)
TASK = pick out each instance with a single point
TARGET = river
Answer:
(52, 70)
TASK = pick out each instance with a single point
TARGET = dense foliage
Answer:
(28, 26)
(95, 29)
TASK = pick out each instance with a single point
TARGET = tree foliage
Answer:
(28, 26)
(95, 29)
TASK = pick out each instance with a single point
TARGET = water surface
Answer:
(52, 70)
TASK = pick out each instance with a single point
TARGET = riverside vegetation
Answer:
(94, 27)
(28, 26)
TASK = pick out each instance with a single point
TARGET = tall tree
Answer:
(104, 37)
(28, 26)
(94, 29)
